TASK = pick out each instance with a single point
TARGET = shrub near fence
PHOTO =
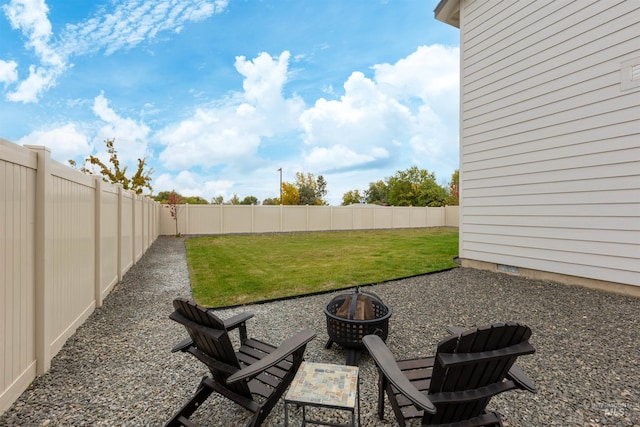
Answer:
(229, 219)
(66, 239)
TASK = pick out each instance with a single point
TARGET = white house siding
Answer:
(550, 136)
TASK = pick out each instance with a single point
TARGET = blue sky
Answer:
(219, 94)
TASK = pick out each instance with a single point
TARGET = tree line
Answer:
(410, 187)
(305, 190)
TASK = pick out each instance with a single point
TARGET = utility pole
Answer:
(280, 170)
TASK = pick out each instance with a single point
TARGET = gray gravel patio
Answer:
(118, 369)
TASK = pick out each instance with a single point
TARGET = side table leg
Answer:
(286, 414)
(304, 415)
(358, 393)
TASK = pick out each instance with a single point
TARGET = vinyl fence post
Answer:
(187, 222)
(97, 267)
(120, 232)
(42, 263)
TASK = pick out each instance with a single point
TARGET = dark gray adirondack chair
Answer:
(255, 376)
(453, 387)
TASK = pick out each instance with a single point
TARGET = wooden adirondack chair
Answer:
(453, 387)
(255, 376)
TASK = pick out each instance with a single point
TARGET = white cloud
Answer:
(339, 157)
(66, 142)
(192, 184)
(431, 73)
(40, 79)
(8, 71)
(264, 79)
(409, 106)
(30, 17)
(427, 73)
(130, 24)
(208, 138)
(431, 133)
(405, 115)
(232, 131)
(131, 136)
(365, 121)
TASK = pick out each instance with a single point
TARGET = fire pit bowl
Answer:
(349, 331)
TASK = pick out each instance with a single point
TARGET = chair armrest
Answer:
(388, 367)
(287, 347)
(518, 376)
(237, 320)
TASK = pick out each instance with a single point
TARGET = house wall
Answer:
(550, 136)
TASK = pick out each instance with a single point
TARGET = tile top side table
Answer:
(327, 386)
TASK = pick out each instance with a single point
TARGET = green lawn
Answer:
(230, 270)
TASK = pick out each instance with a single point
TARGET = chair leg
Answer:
(394, 405)
(202, 393)
(382, 385)
(257, 419)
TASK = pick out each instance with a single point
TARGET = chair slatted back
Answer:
(215, 343)
(476, 371)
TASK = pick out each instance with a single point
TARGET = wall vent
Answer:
(508, 269)
(630, 74)
(635, 72)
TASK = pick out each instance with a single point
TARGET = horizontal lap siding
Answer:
(550, 153)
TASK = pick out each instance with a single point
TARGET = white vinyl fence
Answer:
(229, 219)
(66, 239)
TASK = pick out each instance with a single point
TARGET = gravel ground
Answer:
(118, 370)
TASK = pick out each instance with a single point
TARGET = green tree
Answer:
(415, 187)
(194, 200)
(306, 186)
(307, 195)
(453, 196)
(270, 201)
(218, 200)
(352, 197)
(234, 200)
(250, 200)
(321, 190)
(163, 196)
(377, 193)
(115, 174)
(311, 191)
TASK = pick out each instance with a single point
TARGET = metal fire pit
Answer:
(348, 332)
